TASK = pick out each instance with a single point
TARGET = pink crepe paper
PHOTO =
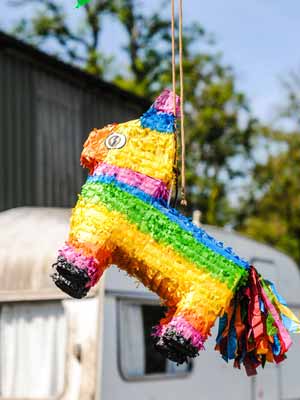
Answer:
(283, 333)
(89, 264)
(180, 325)
(165, 103)
(151, 186)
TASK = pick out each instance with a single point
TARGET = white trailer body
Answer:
(98, 348)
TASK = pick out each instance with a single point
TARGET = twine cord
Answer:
(175, 176)
(181, 80)
(183, 199)
(173, 55)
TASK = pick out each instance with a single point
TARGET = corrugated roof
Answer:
(70, 72)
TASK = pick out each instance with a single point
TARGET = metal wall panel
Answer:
(58, 141)
(101, 108)
(16, 132)
(45, 117)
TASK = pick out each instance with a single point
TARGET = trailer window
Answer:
(137, 355)
(32, 350)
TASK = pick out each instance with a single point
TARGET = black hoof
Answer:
(175, 347)
(70, 279)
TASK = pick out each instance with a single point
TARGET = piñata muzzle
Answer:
(122, 217)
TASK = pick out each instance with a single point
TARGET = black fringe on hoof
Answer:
(70, 279)
(175, 347)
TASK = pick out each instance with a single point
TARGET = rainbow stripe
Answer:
(163, 240)
(146, 184)
(166, 226)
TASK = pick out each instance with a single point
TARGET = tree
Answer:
(219, 147)
(271, 210)
(217, 143)
(78, 44)
(291, 108)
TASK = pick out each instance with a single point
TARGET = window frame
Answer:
(62, 393)
(132, 298)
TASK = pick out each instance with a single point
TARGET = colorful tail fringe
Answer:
(256, 327)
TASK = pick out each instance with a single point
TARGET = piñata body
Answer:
(122, 217)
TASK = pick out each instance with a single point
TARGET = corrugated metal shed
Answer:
(47, 109)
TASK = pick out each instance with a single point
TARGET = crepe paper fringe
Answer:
(158, 121)
(165, 103)
(153, 187)
(290, 321)
(253, 331)
(89, 264)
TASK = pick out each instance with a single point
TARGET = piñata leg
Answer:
(87, 253)
(182, 334)
(176, 338)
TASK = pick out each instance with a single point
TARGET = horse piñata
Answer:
(122, 217)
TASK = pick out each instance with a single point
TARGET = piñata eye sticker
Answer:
(115, 141)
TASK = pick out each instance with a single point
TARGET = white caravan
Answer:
(99, 348)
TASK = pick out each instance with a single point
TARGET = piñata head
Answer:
(122, 217)
(144, 147)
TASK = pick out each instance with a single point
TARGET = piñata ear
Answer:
(160, 116)
(93, 149)
(165, 103)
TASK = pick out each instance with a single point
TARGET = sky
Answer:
(258, 38)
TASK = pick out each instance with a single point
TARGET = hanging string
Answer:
(181, 79)
(183, 198)
(175, 170)
(173, 55)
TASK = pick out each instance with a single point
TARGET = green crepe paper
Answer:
(150, 221)
(271, 328)
(81, 3)
(270, 294)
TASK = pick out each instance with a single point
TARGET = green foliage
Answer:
(215, 138)
(272, 212)
(217, 143)
(218, 146)
(77, 44)
(291, 109)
